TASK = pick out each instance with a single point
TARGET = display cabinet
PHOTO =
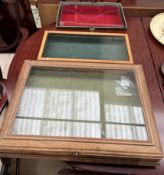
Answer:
(85, 47)
(91, 15)
(81, 112)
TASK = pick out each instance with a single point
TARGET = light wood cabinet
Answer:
(83, 112)
(86, 47)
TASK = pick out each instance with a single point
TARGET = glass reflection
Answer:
(92, 104)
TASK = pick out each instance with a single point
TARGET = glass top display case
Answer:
(85, 47)
(91, 15)
(82, 112)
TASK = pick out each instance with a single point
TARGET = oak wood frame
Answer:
(82, 149)
(130, 61)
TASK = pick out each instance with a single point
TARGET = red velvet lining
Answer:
(88, 15)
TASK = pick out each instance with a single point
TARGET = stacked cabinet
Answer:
(83, 99)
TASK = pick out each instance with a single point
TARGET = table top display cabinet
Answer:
(91, 15)
(81, 112)
(86, 47)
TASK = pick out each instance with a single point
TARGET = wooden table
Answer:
(131, 7)
(146, 51)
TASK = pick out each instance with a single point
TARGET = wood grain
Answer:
(157, 52)
(131, 7)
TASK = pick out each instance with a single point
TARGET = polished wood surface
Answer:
(131, 7)
(129, 3)
(138, 36)
(157, 52)
(48, 9)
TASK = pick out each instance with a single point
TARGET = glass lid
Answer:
(91, 15)
(67, 102)
(86, 47)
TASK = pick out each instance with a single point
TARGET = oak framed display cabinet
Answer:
(86, 47)
(81, 112)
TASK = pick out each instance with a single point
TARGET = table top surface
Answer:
(146, 51)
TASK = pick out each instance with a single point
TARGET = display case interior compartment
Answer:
(91, 15)
(86, 47)
(100, 111)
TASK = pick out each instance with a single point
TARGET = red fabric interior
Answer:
(88, 15)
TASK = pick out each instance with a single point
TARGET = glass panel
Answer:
(81, 103)
(56, 128)
(91, 15)
(129, 132)
(86, 47)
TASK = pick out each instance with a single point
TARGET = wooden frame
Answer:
(82, 149)
(129, 61)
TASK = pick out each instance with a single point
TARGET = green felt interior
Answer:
(105, 82)
(86, 47)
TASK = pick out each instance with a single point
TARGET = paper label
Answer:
(5, 61)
